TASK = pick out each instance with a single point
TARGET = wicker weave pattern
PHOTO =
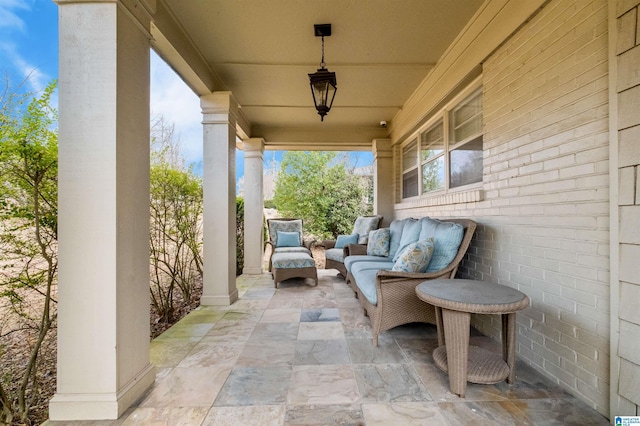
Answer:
(397, 300)
(455, 301)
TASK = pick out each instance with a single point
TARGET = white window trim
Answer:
(441, 115)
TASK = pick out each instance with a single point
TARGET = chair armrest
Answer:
(328, 244)
(308, 243)
(355, 249)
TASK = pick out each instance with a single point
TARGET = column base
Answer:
(253, 271)
(219, 300)
(101, 406)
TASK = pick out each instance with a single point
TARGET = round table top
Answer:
(472, 296)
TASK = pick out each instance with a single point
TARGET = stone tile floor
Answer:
(302, 355)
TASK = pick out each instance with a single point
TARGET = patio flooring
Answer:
(303, 355)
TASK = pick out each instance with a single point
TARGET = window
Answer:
(448, 150)
(410, 170)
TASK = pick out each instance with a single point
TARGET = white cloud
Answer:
(8, 18)
(177, 103)
(33, 76)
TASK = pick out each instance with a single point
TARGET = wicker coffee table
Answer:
(455, 300)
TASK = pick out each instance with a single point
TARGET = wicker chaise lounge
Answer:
(396, 302)
(290, 254)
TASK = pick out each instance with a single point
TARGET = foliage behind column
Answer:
(175, 225)
(323, 190)
(28, 247)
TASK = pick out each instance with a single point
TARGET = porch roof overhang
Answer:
(262, 52)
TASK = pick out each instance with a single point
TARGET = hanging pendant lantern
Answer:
(323, 82)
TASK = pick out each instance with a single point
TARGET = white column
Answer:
(253, 206)
(103, 309)
(219, 112)
(383, 179)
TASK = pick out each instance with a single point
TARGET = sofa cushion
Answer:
(335, 254)
(415, 257)
(410, 234)
(378, 244)
(288, 239)
(349, 261)
(395, 229)
(366, 282)
(447, 237)
(345, 240)
(364, 266)
(363, 225)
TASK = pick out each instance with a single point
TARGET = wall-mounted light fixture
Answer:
(322, 82)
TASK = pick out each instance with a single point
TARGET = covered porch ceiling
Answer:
(262, 51)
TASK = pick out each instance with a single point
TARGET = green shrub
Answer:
(239, 235)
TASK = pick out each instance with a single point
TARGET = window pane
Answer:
(466, 119)
(410, 155)
(433, 175)
(410, 184)
(466, 163)
(432, 142)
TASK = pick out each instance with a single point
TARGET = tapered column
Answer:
(219, 112)
(103, 211)
(383, 179)
(253, 204)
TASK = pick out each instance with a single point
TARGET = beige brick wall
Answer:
(625, 388)
(543, 212)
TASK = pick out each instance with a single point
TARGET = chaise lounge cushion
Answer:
(292, 261)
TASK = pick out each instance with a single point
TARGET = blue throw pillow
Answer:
(288, 239)
(345, 240)
(415, 257)
(378, 244)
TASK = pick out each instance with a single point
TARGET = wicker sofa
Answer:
(335, 251)
(388, 297)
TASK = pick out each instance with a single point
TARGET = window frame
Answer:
(443, 118)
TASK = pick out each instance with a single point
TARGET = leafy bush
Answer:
(175, 225)
(239, 235)
(322, 189)
(28, 248)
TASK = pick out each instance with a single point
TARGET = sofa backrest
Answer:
(363, 225)
(451, 238)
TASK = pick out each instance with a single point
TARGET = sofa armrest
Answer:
(355, 249)
(448, 272)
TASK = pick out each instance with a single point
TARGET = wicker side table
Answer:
(455, 300)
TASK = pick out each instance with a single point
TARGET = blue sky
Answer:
(29, 50)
